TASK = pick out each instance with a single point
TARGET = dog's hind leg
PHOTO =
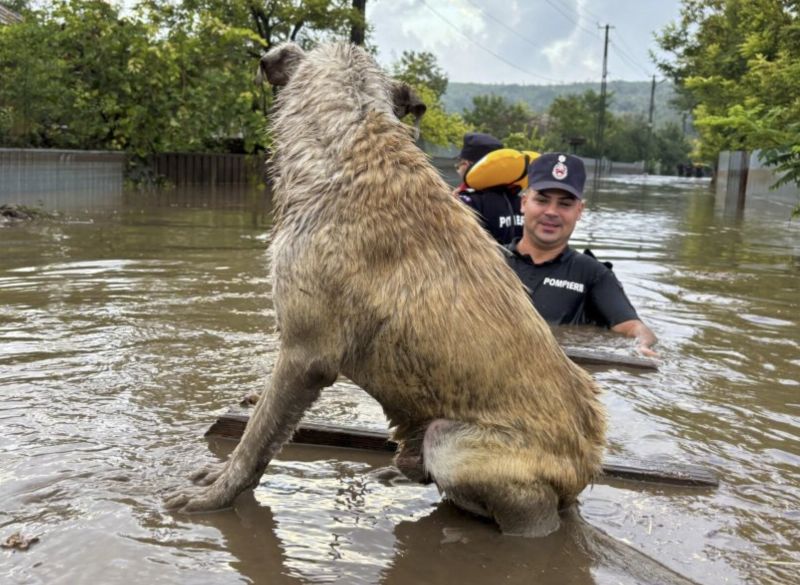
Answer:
(469, 464)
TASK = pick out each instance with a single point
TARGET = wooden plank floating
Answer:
(590, 357)
(231, 426)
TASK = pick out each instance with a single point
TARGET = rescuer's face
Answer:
(550, 217)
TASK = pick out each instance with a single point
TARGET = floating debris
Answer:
(18, 542)
(21, 213)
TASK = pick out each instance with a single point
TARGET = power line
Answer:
(628, 59)
(487, 14)
(571, 19)
(621, 53)
(513, 31)
(504, 25)
(589, 12)
(627, 47)
(625, 54)
(492, 53)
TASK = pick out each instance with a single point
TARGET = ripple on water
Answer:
(122, 339)
(766, 321)
(335, 521)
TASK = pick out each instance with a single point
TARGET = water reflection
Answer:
(124, 329)
(318, 519)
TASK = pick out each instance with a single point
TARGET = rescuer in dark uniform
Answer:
(497, 207)
(568, 288)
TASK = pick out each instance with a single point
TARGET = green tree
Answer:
(628, 139)
(574, 118)
(527, 140)
(670, 148)
(421, 69)
(170, 76)
(78, 74)
(736, 62)
(421, 72)
(438, 127)
(497, 116)
(305, 22)
(33, 88)
(207, 72)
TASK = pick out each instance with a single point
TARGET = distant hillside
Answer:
(628, 96)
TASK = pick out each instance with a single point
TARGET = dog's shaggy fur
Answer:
(382, 276)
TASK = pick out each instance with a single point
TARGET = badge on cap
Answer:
(560, 170)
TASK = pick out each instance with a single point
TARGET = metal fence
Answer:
(41, 176)
(209, 169)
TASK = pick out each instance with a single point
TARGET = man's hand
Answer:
(645, 338)
(646, 351)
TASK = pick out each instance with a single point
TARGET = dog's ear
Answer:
(279, 64)
(406, 101)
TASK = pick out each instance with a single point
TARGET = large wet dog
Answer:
(382, 276)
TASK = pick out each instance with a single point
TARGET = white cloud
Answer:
(522, 41)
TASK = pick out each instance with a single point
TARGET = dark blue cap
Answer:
(557, 170)
(477, 145)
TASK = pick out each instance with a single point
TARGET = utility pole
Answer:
(357, 30)
(601, 117)
(650, 124)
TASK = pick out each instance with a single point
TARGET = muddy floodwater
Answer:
(128, 324)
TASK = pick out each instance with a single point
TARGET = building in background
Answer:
(8, 16)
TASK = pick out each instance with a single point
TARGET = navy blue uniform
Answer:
(573, 289)
(499, 211)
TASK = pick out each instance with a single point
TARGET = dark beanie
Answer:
(477, 145)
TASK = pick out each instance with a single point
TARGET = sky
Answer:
(523, 41)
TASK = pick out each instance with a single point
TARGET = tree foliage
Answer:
(737, 63)
(78, 74)
(166, 76)
(306, 22)
(511, 123)
(570, 123)
(421, 69)
(670, 148)
(574, 118)
(421, 72)
(630, 97)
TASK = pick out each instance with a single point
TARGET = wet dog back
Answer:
(381, 275)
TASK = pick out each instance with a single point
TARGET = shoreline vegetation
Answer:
(179, 77)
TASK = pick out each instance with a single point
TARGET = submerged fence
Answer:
(182, 169)
(33, 176)
(40, 176)
(37, 175)
(744, 184)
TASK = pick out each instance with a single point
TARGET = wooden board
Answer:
(231, 425)
(590, 357)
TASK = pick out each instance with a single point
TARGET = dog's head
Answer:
(406, 101)
(279, 65)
